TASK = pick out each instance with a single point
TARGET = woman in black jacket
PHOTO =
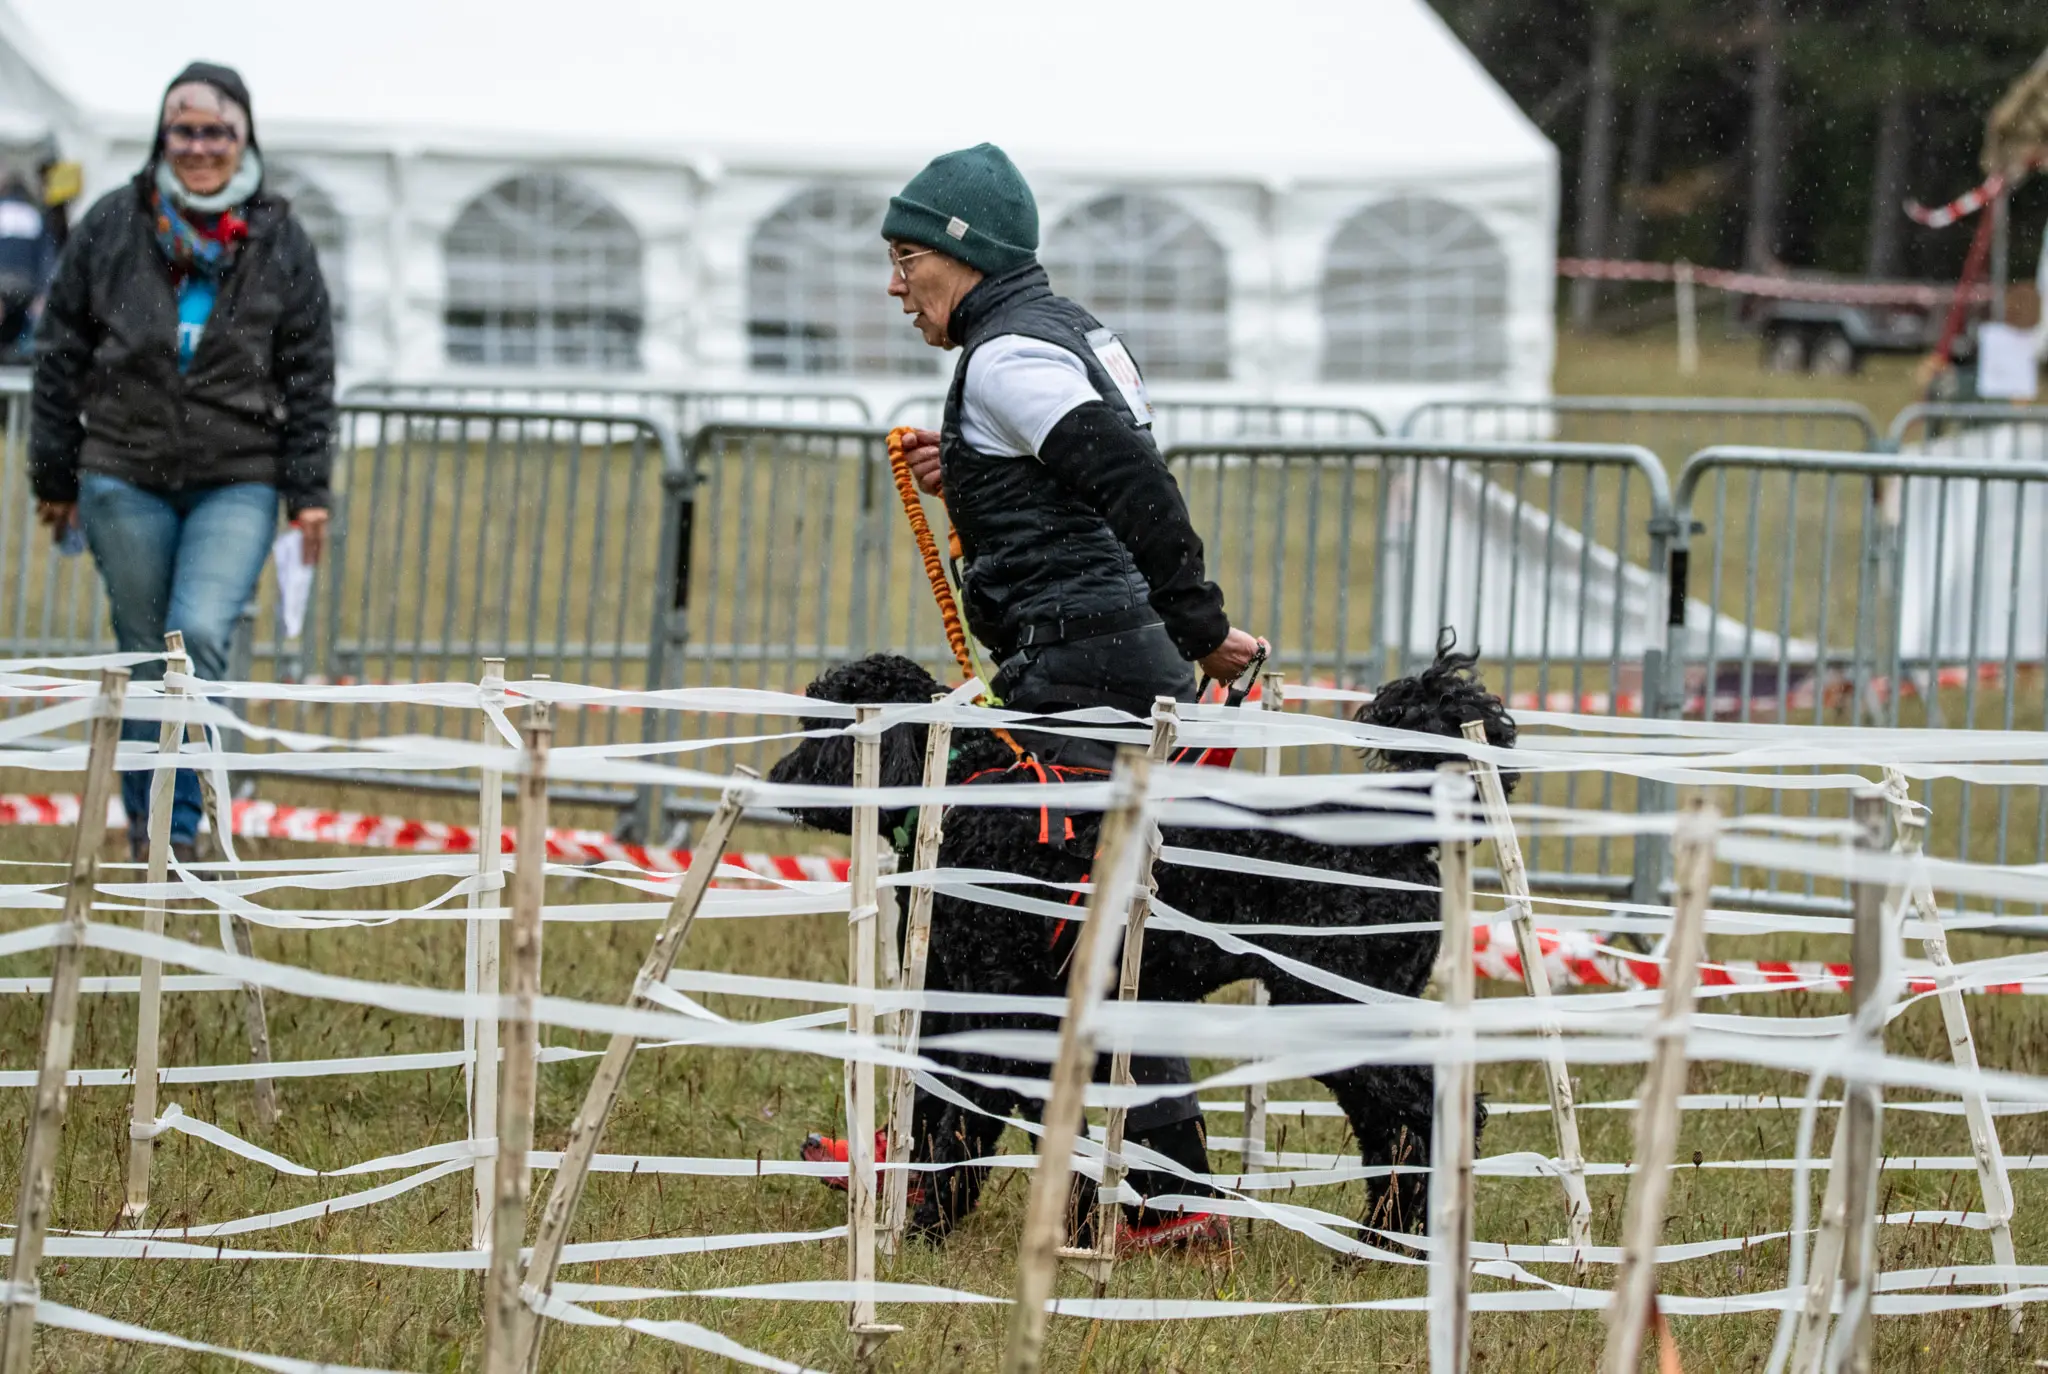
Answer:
(184, 384)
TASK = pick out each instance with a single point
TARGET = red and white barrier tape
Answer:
(261, 820)
(1576, 958)
(1920, 295)
(1573, 958)
(1969, 202)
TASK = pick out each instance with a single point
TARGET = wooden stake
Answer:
(588, 1127)
(1100, 1260)
(862, 918)
(1116, 855)
(1909, 830)
(1686, 298)
(504, 1311)
(1272, 697)
(149, 1005)
(1452, 1145)
(1656, 1135)
(917, 944)
(1862, 1105)
(60, 1031)
(1824, 1265)
(482, 943)
(1564, 1117)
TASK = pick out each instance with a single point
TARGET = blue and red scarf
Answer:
(199, 252)
(197, 248)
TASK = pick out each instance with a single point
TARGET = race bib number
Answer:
(1123, 369)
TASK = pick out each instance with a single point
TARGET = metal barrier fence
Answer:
(546, 538)
(52, 605)
(1818, 587)
(1669, 426)
(1203, 422)
(1349, 556)
(1971, 431)
(798, 559)
(1547, 559)
(686, 409)
(1863, 589)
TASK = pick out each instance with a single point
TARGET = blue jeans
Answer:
(175, 560)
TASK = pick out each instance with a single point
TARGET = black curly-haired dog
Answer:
(979, 948)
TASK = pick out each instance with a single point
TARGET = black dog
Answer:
(979, 948)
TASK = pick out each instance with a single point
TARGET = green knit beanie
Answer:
(973, 205)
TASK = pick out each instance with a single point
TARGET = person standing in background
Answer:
(184, 383)
(27, 254)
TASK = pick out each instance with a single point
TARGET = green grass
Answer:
(743, 1104)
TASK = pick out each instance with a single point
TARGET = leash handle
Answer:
(1240, 686)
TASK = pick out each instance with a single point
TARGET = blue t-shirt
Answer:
(195, 306)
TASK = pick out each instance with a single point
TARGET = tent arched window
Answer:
(1152, 272)
(1414, 290)
(321, 219)
(816, 290)
(543, 272)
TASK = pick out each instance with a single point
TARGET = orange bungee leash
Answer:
(934, 566)
(942, 589)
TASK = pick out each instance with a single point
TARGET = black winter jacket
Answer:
(257, 404)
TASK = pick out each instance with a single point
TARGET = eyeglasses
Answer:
(199, 135)
(899, 262)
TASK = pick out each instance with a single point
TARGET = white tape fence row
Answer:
(1261, 1044)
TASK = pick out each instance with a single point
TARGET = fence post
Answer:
(504, 1311)
(60, 1031)
(1656, 1135)
(1116, 854)
(482, 943)
(1564, 1116)
(150, 999)
(917, 944)
(669, 632)
(1663, 694)
(1452, 1145)
(1686, 298)
(1993, 1182)
(588, 1127)
(874, 462)
(1824, 1266)
(1862, 1103)
(863, 914)
(1101, 1258)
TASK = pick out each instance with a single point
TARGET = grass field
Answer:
(1646, 364)
(743, 1105)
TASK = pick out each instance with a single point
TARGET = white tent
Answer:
(1323, 201)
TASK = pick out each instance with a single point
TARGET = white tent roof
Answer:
(1290, 90)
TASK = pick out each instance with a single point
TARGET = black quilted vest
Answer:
(1033, 551)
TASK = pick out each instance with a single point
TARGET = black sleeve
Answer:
(1094, 452)
(65, 338)
(304, 369)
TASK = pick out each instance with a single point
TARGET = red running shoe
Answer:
(1195, 1232)
(825, 1149)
